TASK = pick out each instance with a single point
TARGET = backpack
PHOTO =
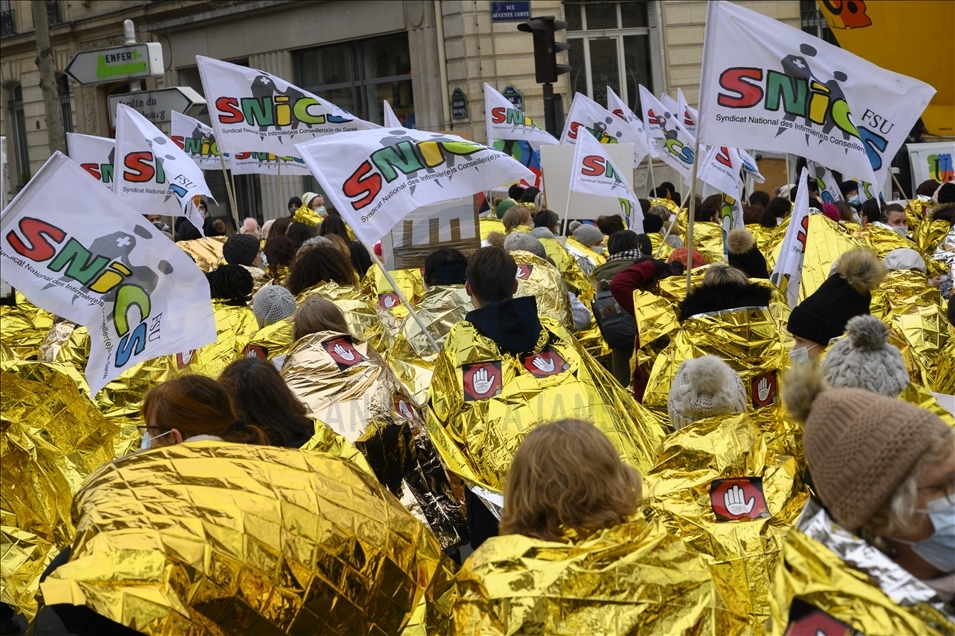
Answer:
(617, 327)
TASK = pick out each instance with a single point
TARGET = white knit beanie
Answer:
(704, 387)
(865, 360)
(904, 258)
(272, 304)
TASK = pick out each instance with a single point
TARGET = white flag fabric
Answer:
(587, 115)
(671, 105)
(505, 122)
(267, 163)
(673, 142)
(197, 140)
(778, 88)
(633, 132)
(731, 211)
(252, 110)
(78, 251)
(720, 168)
(619, 108)
(750, 167)
(688, 115)
(391, 120)
(153, 175)
(593, 173)
(375, 178)
(93, 154)
(826, 182)
(787, 275)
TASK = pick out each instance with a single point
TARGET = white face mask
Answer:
(939, 549)
(321, 210)
(148, 438)
(800, 355)
(901, 229)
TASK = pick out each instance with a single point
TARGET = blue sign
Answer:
(514, 96)
(459, 104)
(510, 11)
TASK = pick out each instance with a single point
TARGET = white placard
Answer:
(556, 164)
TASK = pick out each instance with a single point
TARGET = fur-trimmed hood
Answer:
(709, 298)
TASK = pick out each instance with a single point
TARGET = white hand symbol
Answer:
(389, 301)
(735, 501)
(762, 390)
(521, 271)
(403, 408)
(482, 383)
(819, 632)
(343, 353)
(545, 365)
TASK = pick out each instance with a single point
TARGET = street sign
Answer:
(157, 106)
(459, 104)
(514, 96)
(510, 11)
(117, 63)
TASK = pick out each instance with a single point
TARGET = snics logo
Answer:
(598, 130)
(594, 166)
(40, 242)
(501, 115)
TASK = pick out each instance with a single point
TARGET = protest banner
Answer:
(505, 122)
(80, 252)
(673, 142)
(778, 88)
(687, 114)
(787, 274)
(594, 173)
(93, 154)
(195, 139)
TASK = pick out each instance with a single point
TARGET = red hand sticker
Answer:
(546, 363)
(255, 351)
(763, 389)
(388, 300)
(482, 380)
(815, 622)
(183, 359)
(741, 498)
(343, 353)
(524, 271)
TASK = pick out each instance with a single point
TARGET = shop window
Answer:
(66, 106)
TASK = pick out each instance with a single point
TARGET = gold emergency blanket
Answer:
(486, 225)
(945, 372)
(241, 539)
(882, 240)
(206, 252)
(830, 581)
(24, 326)
(538, 278)
(753, 341)
(567, 265)
(588, 258)
(51, 439)
(376, 286)
(364, 321)
(271, 342)
(235, 325)
(667, 203)
(915, 313)
(767, 239)
(707, 238)
(718, 487)
(826, 240)
(483, 402)
(121, 399)
(412, 357)
(344, 383)
(929, 235)
(634, 578)
(306, 215)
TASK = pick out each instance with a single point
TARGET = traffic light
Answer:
(546, 49)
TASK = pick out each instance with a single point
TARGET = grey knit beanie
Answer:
(542, 232)
(525, 243)
(272, 304)
(588, 235)
(865, 360)
(704, 387)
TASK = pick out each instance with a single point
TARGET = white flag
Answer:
(688, 115)
(78, 251)
(778, 88)
(93, 154)
(587, 115)
(671, 105)
(720, 168)
(252, 110)
(153, 175)
(593, 173)
(829, 191)
(787, 275)
(750, 167)
(674, 144)
(391, 120)
(619, 108)
(197, 140)
(375, 178)
(505, 122)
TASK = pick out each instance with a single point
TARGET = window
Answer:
(53, 15)
(20, 149)
(8, 25)
(357, 76)
(814, 23)
(613, 44)
(66, 108)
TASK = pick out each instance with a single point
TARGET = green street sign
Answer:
(117, 63)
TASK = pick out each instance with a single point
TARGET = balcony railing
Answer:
(53, 12)
(7, 24)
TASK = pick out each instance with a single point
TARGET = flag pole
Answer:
(230, 192)
(665, 237)
(566, 212)
(691, 211)
(401, 297)
(899, 186)
(278, 184)
(653, 182)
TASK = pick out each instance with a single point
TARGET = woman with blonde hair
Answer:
(571, 518)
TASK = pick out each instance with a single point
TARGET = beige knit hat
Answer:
(704, 387)
(859, 446)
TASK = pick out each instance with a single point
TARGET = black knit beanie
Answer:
(744, 255)
(240, 249)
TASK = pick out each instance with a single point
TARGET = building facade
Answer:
(420, 55)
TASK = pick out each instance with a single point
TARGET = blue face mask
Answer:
(148, 438)
(939, 549)
(853, 201)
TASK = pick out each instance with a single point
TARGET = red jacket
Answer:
(622, 287)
